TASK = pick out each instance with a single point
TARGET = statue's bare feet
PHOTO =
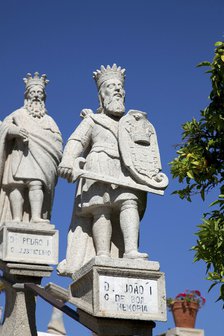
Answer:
(135, 255)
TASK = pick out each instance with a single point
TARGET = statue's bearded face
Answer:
(112, 97)
(35, 101)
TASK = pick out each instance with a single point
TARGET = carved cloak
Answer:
(36, 159)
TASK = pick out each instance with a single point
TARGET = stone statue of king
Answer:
(30, 152)
(116, 160)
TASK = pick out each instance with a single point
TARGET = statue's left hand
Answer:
(23, 134)
(18, 132)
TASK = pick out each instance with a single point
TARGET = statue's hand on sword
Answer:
(78, 168)
(71, 174)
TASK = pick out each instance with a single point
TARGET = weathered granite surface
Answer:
(104, 326)
(184, 332)
(33, 243)
(57, 291)
(115, 158)
(117, 263)
(30, 151)
(19, 317)
(103, 288)
(12, 270)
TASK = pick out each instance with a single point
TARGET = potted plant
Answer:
(185, 306)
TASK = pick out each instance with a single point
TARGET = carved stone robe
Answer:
(99, 136)
(37, 159)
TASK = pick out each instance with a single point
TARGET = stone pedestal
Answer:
(184, 332)
(26, 251)
(29, 243)
(19, 317)
(119, 296)
(120, 288)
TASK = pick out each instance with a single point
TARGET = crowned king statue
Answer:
(30, 152)
(115, 158)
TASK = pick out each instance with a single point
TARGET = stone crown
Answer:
(109, 72)
(35, 80)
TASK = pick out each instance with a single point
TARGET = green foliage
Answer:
(200, 166)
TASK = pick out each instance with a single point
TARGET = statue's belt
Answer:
(112, 150)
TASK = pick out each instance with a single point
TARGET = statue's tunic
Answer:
(36, 159)
(100, 133)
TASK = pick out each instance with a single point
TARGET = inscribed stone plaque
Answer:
(29, 246)
(120, 288)
(128, 295)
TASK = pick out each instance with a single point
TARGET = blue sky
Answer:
(159, 43)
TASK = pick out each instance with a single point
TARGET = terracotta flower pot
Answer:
(184, 313)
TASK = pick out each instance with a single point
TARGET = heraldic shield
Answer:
(139, 150)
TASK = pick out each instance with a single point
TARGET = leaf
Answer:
(214, 203)
(199, 166)
(196, 163)
(190, 174)
(222, 291)
(219, 298)
(218, 44)
(205, 63)
(203, 194)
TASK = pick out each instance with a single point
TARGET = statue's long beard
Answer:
(114, 105)
(36, 108)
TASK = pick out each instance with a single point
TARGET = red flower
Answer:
(197, 292)
(181, 295)
(188, 296)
